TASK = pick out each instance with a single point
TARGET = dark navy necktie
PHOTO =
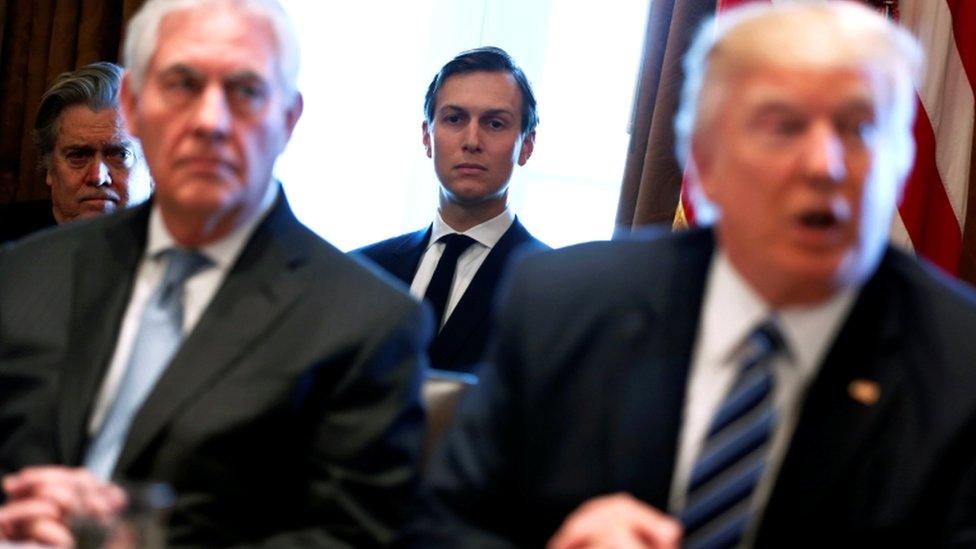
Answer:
(735, 450)
(440, 283)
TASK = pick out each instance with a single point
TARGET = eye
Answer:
(182, 83)
(179, 87)
(247, 96)
(786, 127)
(77, 158)
(495, 124)
(120, 156)
(452, 118)
(858, 129)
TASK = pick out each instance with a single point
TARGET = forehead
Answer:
(215, 39)
(79, 125)
(806, 89)
(480, 90)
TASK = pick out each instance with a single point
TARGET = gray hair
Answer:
(810, 34)
(96, 86)
(142, 36)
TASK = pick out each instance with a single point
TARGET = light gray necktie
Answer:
(159, 336)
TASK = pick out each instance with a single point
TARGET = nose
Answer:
(824, 154)
(98, 173)
(471, 138)
(211, 119)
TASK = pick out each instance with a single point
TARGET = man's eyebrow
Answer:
(859, 105)
(498, 112)
(489, 112)
(180, 69)
(776, 107)
(451, 108)
(79, 148)
(245, 77)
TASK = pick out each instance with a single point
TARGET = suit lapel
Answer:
(834, 425)
(261, 286)
(406, 256)
(102, 275)
(652, 376)
(475, 305)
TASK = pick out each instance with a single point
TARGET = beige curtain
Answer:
(652, 178)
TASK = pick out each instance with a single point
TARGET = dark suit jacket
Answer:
(289, 416)
(461, 343)
(586, 392)
(22, 218)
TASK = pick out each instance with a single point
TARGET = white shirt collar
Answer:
(732, 309)
(487, 234)
(222, 252)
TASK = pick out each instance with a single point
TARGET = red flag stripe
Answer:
(964, 29)
(925, 208)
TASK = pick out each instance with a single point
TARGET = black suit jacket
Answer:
(586, 392)
(289, 416)
(22, 218)
(462, 341)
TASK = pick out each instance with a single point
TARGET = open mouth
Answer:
(819, 220)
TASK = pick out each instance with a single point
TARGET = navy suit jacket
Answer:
(290, 415)
(461, 343)
(585, 393)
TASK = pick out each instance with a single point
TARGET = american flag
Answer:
(933, 211)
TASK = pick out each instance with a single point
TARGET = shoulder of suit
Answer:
(388, 245)
(61, 240)
(356, 278)
(646, 249)
(609, 271)
(931, 293)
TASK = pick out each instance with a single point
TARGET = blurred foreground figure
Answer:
(781, 379)
(207, 339)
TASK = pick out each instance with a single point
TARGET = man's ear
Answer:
(128, 103)
(700, 164)
(426, 129)
(294, 112)
(528, 144)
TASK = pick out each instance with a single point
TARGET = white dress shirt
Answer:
(731, 310)
(486, 235)
(198, 290)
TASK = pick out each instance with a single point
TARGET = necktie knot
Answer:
(181, 264)
(763, 342)
(454, 245)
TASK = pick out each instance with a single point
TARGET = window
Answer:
(356, 172)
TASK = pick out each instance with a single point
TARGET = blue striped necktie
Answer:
(159, 336)
(734, 453)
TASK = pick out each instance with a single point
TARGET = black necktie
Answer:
(440, 284)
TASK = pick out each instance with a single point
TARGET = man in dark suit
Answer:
(480, 120)
(92, 165)
(784, 379)
(208, 340)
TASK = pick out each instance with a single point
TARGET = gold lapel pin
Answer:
(865, 391)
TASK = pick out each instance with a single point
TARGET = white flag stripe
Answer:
(946, 95)
(899, 234)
